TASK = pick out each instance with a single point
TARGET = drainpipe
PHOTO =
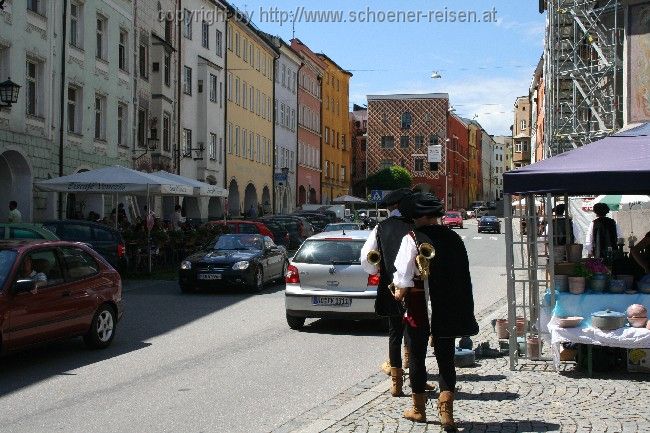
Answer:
(179, 94)
(295, 199)
(226, 209)
(62, 101)
(275, 62)
(136, 72)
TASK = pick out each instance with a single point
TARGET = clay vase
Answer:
(502, 328)
(561, 283)
(629, 281)
(598, 282)
(559, 253)
(521, 326)
(577, 285)
(532, 345)
(574, 252)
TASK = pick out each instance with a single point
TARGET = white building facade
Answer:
(286, 126)
(202, 104)
(488, 169)
(73, 111)
(501, 162)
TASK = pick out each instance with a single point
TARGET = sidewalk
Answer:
(491, 398)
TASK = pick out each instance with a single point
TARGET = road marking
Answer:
(463, 237)
(477, 237)
(494, 238)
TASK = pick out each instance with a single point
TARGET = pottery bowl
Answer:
(569, 322)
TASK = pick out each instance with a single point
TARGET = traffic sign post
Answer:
(376, 195)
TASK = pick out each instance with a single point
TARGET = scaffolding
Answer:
(583, 72)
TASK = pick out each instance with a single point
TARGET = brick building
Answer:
(458, 159)
(400, 129)
(358, 137)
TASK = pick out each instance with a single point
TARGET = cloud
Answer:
(533, 30)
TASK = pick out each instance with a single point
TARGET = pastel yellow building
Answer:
(336, 141)
(249, 119)
(474, 159)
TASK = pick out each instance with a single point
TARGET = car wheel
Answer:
(258, 281)
(285, 268)
(295, 322)
(102, 328)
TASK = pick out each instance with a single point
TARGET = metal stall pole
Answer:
(148, 230)
(549, 241)
(510, 274)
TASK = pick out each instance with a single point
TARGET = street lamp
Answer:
(8, 93)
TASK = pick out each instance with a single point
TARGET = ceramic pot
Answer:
(533, 345)
(598, 282)
(638, 322)
(574, 252)
(577, 285)
(559, 253)
(501, 327)
(562, 283)
(608, 320)
(521, 326)
(637, 310)
(616, 286)
(629, 281)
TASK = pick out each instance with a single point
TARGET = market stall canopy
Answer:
(618, 164)
(348, 199)
(114, 180)
(201, 189)
(622, 202)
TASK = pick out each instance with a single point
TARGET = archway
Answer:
(191, 208)
(302, 195)
(266, 200)
(215, 209)
(312, 196)
(250, 199)
(16, 183)
(233, 199)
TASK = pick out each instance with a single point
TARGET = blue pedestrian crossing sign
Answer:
(376, 195)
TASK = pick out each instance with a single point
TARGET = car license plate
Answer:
(209, 276)
(331, 301)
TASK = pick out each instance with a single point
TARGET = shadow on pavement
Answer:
(509, 425)
(480, 378)
(347, 327)
(482, 396)
(149, 311)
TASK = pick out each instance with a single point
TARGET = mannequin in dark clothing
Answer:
(603, 234)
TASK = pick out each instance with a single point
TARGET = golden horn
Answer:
(427, 250)
(374, 257)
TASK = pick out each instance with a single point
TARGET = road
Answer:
(211, 362)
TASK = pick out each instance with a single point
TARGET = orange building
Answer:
(336, 143)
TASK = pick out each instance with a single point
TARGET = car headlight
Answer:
(186, 264)
(240, 266)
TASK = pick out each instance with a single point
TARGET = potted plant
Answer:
(599, 274)
(578, 279)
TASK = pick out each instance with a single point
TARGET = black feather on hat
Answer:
(394, 197)
(426, 204)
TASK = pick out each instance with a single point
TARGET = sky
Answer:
(483, 65)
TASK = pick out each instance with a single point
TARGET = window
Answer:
(229, 137)
(166, 132)
(245, 49)
(342, 173)
(244, 133)
(237, 90)
(407, 119)
(517, 147)
(33, 88)
(212, 150)
(237, 140)
(220, 150)
(251, 151)
(523, 125)
(213, 88)
(143, 59)
(74, 109)
(76, 25)
(79, 264)
(167, 70)
(187, 141)
(220, 94)
(205, 35)
(384, 118)
(326, 168)
(123, 50)
(251, 97)
(237, 48)
(219, 43)
(259, 148)
(284, 75)
(187, 81)
(419, 165)
(168, 30)
(122, 116)
(35, 6)
(187, 24)
(433, 139)
(142, 127)
(387, 163)
(244, 94)
(100, 117)
(404, 141)
(229, 86)
(100, 51)
(419, 142)
(387, 142)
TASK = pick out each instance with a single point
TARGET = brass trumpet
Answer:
(426, 252)
(374, 257)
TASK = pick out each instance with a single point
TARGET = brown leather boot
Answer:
(397, 379)
(385, 367)
(446, 411)
(406, 357)
(418, 412)
(430, 387)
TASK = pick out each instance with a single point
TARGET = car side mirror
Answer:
(23, 286)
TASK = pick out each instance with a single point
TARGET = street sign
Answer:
(434, 153)
(280, 177)
(376, 195)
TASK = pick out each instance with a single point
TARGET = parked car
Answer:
(377, 215)
(245, 227)
(234, 260)
(453, 219)
(342, 227)
(55, 289)
(317, 221)
(477, 204)
(481, 212)
(280, 232)
(104, 239)
(25, 231)
(492, 205)
(325, 279)
(489, 223)
(298, 227)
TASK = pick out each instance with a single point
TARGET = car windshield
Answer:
(330, 251)
(489, 218)
(239, 242)
(7, 259)
(337, 227)
(452, 215)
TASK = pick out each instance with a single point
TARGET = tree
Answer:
(390, 178)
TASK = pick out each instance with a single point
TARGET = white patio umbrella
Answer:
(201, 189)
(621, 201)
(349, 199)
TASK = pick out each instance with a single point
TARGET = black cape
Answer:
(450, 283)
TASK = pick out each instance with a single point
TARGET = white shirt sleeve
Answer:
(619, 232)
(395, 212)
(371, 244)
(589, 238)
(405, 268)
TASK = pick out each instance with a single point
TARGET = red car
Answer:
(246, 227)
(51, 290)
(453, 219)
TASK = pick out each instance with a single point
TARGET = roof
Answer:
(398, 96)
(356, 235)
(618, 164)
(323, 55)
(252, 27)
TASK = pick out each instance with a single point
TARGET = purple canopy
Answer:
(618, 164)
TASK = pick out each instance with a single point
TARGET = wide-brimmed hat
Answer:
(426, 204)
(394, 197)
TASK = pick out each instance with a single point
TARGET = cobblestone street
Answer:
(491, 398)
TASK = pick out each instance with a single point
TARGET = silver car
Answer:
(325, 279)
